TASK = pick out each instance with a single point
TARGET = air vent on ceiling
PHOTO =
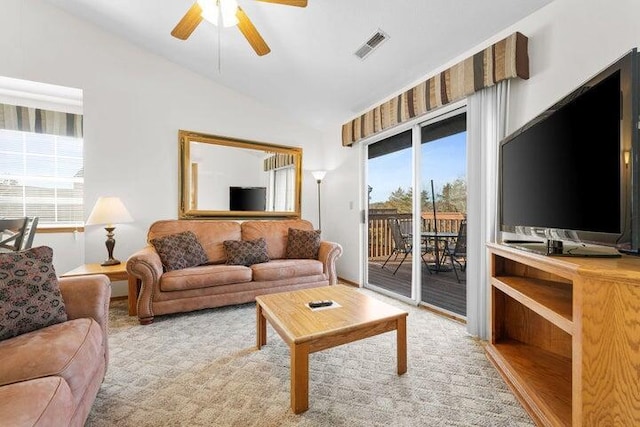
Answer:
(370, 45)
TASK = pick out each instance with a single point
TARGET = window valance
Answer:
(503, 60)
(25, 119)
(278, 160)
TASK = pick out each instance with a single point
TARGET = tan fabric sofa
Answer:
(218, 284)
(51, 376)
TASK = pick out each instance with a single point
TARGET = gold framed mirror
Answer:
(227, 177)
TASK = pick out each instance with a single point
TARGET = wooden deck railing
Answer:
(381, 241)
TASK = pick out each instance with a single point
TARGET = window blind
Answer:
(41, 175)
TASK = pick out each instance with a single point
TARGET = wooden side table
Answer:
(113, 272)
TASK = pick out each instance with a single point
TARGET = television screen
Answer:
(247, 198)
(564, 172)
(569, 170)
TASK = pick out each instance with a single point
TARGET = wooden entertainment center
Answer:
(565, 335)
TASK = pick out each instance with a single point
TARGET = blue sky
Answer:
(443, 160)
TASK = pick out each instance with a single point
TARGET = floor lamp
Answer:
(109, 211)
(319, 175)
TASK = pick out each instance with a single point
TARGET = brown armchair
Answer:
(51, 376)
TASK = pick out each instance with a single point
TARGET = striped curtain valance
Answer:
(278, 160)
(503, 60)
(25, 119)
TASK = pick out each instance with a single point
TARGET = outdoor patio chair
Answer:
(458, 254)
(401, 244)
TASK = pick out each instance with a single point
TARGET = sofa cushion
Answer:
(246, 252)
(204, 277)
(72, 350)
(211, 234)
(180, 250)
(30, 297)
(274, 232)
(43, 402)
(303, 243)
(286, 269)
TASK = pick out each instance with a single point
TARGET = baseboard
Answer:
(348, 282)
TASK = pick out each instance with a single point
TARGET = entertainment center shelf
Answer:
(565, 335)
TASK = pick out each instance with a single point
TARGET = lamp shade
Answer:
(319, 175)
(108, 210)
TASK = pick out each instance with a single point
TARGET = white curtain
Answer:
(486, 126)
(284, 194)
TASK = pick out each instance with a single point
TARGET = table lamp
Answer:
(109, 211)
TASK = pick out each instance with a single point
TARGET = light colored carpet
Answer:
(203, 369)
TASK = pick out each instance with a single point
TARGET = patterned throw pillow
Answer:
(246, 252)
(303, 243)
(30, 297)
(181, 250)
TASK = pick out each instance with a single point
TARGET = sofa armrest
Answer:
(328, 254)
(146, 266)
(88, 296)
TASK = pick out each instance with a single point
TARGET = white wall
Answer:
(134, 104)
(569, 41)
(342, 204)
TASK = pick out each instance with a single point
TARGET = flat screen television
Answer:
(571, 173)
(247, 198)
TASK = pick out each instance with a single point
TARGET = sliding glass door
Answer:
(416, 240)
(390, 217)
(443, 176)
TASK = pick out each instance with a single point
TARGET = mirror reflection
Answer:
(228, 177)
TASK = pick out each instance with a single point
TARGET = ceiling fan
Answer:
(226, 13)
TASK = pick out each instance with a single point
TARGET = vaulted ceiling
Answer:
(312, 73)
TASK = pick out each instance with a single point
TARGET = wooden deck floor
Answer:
(439, 289)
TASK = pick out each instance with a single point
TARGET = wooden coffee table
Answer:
(354, 317)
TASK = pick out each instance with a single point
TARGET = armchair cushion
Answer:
(30, 296)
(68, 349)
(303, 243)
(180, 250)
(246, 252)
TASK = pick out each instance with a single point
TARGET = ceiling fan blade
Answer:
(188, 23)
(251, 34)
(298, 3)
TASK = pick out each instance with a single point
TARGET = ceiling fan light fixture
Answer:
(212, 10)
(226, 13)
